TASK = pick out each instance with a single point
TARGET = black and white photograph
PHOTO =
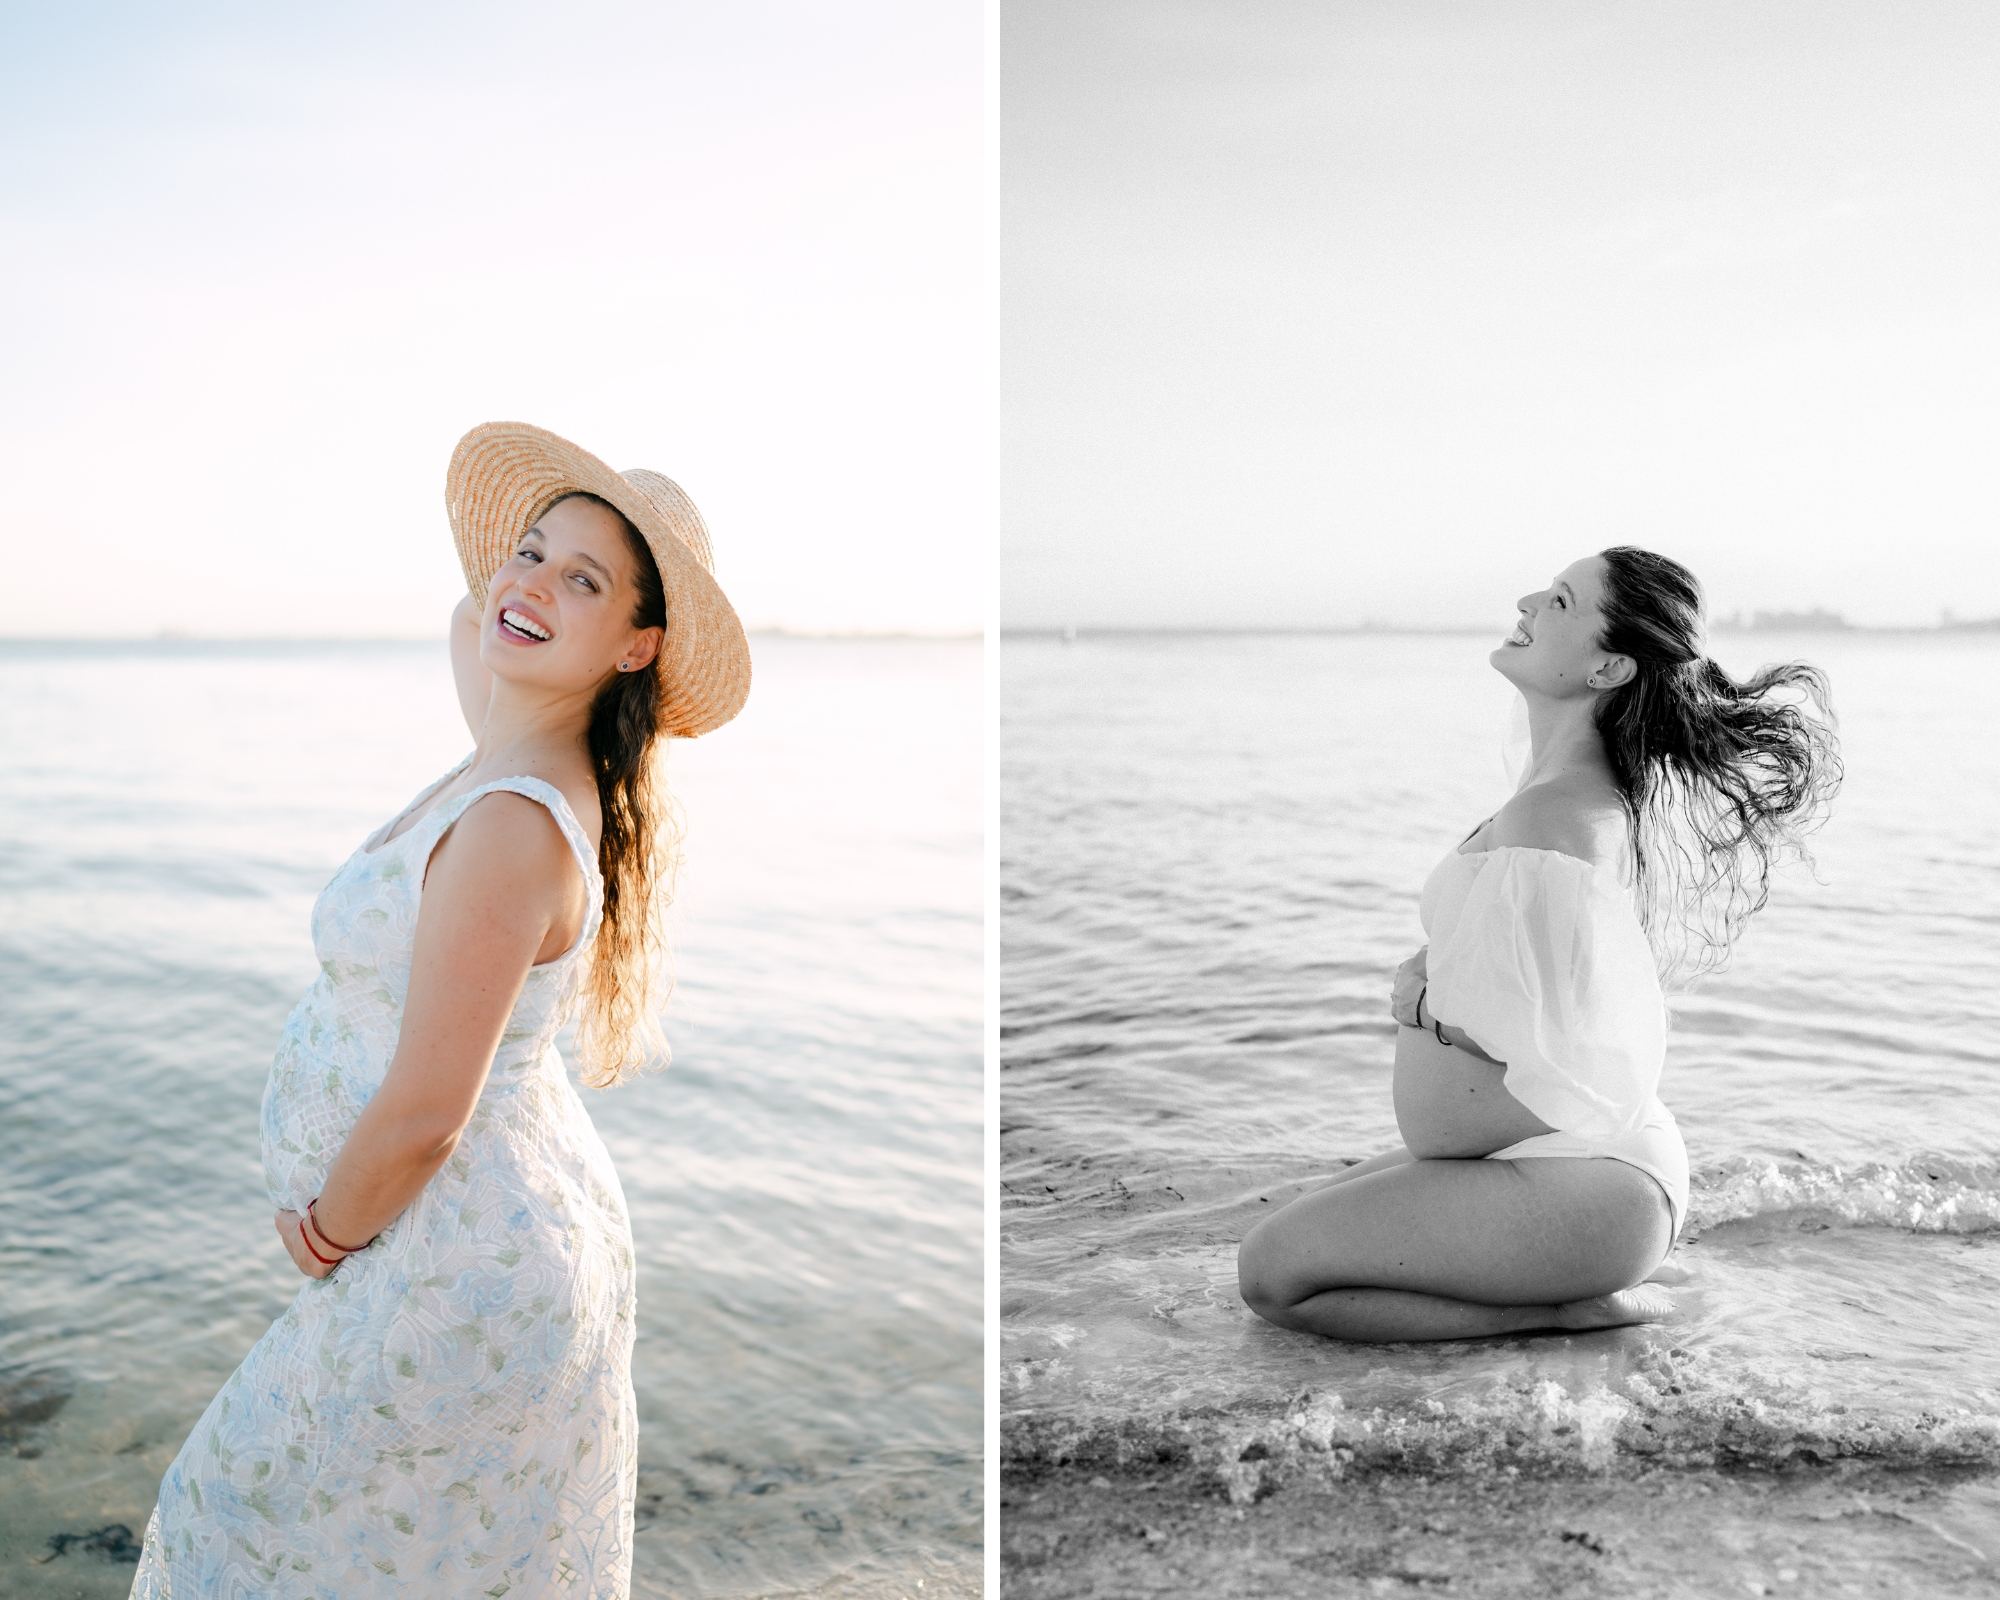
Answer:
(1498, 743)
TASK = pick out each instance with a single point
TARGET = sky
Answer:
(1323, 314)
(265, 265)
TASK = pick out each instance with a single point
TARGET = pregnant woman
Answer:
(1541, 1178)
(446, 1408)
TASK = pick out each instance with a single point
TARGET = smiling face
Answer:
(559, 611)
(1554, 649)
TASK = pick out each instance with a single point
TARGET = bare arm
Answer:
(475, 683)
(1407, 997)
(502, 893)
(1453, 1036)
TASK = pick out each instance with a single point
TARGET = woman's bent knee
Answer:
(1271, 1273)
(1250, 1281)
(1258, 1276)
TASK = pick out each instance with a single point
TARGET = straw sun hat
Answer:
(504, 475)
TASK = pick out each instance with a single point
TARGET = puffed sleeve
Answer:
(1546, 966)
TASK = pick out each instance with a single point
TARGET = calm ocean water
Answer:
(1212, 850)
(804, 1182)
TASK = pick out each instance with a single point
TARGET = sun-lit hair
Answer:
(638, 852)
(1722, 780)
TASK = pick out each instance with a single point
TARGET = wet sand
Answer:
(1807, 1532)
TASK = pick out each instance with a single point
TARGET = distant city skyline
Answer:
(1314, 315)
(1759, 622)
(1754, 619)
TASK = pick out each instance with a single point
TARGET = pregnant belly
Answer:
(309, 1109)
(1451, 1105)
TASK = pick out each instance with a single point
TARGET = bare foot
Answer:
(1641, 1304)
(1669, 1272)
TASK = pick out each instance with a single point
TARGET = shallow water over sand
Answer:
(804, 1182)
(1212, 848)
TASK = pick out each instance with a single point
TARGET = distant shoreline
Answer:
(1990, 625)
(224, 641)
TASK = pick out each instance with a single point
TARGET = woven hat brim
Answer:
(504, 475)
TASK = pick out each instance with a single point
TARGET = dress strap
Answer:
(549, 795)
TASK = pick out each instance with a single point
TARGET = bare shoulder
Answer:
(1572, 817)
(502, 890)
(509, 842)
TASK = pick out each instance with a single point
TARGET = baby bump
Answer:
(310, 1106)
(1452, 1105)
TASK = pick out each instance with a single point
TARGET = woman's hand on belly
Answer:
(295, 1245)
(1450, 1105)
(1412, 978)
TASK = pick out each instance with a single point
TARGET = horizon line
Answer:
(176, 637)
(1078, 630)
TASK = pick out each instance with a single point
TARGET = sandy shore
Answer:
(1807, 1532)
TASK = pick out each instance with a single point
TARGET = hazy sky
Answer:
(1327, 312)
(265, 263)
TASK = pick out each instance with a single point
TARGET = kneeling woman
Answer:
(1542, 1181)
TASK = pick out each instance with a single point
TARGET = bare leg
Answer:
(1461, 1249)
(1379, 1316)
(1386, 1316)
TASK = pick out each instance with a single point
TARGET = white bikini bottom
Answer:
(1654, 1147)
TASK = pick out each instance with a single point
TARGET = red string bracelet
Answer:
(344, 1249)
(307, 1242)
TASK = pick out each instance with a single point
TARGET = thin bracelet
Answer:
(1419, 1012)
(344, 1249)
(1437, 1028)
(322, 1260)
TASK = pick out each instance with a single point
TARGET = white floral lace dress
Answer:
(450, 1412)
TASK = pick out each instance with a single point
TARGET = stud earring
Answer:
(626, 666)
(1593, 683)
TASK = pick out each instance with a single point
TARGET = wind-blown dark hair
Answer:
(637, 852)
(1722, 780)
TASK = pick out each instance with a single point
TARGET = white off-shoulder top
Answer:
(1540, 957)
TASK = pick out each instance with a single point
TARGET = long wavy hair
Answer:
(638, 852)
(1722, 780)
